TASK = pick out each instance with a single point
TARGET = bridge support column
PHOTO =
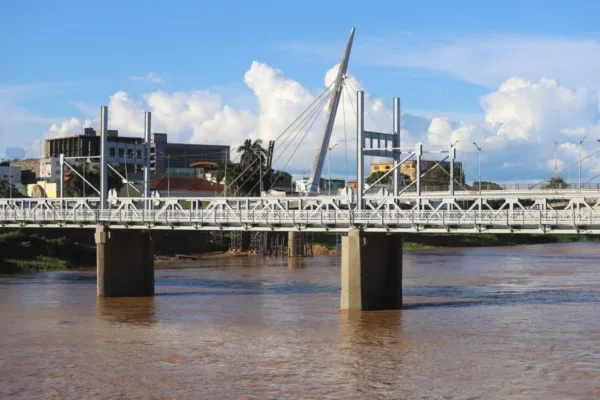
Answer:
(124, 263)
(371, 271)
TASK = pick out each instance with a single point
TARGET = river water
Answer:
(487, 323)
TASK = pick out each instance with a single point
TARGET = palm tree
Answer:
(250, 151)
(75, 186)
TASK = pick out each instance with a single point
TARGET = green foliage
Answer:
(75, 186)
(5, 191)
(485, 185)
(23, 252)
(244, 178)
(439, 177)
(556, 183)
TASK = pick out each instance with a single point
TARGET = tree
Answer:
(556, 182)
(75, 186)
(5, 190)
(438, 178)
(251, 151)
(376, 175)
(485, 185)
(281, 179)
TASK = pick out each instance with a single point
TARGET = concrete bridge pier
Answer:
(371, 271)
(124, 263)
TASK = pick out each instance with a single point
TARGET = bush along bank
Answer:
(22, 252)
(419, 241)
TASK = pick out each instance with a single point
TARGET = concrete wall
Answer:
(371, 271)
(125, 263)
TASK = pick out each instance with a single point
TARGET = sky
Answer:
(514, 76)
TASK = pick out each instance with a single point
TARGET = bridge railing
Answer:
(297, 218)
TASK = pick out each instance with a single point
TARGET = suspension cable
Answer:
(298, 145)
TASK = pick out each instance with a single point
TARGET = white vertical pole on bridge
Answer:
(397, 153)
(62, 177)
(452, 157)
(360, 132)
(147, 138)
(419, 151)
(103, 167)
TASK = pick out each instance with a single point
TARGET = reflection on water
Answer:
(127, 310)
(488, 323)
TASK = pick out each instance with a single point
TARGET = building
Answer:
(43, 189)
(409, 167)
(129, 152)
(30, 169)
(10, 174)
(176, 158)
(185, 186)
(49, 169)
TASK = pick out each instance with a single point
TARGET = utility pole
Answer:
(168, 175)
(479, 162)
(329, 165)
(580, 142)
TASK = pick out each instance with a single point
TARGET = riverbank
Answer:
(22, 252)
(420, 241)
(25, 252)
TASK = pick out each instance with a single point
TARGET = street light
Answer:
(580, 142)
(329, 165)
(479, 162)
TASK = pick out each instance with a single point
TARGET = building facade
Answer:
(409, 167)
(129, 153)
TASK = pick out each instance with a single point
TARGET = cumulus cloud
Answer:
(522, 109)
(151, 77)
(521, 117)
(72, 126)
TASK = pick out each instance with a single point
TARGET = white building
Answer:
(50, 169)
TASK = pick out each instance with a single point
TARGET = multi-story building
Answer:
(129, 152)
(409, 167)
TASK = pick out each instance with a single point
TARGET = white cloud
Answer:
(72, 126)
(521, 119)
(151, 77)
(522, 109)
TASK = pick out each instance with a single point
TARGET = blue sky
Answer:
(63, 59)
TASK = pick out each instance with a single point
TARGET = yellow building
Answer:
(42, 189)
(408, 168)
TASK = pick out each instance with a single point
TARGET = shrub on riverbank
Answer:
(22, 252)
(416, 241)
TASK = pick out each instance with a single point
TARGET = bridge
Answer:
(374, 220)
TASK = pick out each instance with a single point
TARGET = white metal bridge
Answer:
(527, 211)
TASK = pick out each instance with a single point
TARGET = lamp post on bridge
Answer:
(579, 177)
(479, 162)
(452, 156)
(329, 165)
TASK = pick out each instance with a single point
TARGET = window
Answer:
(376, 167)
(387, 167)
(121, 152)
(139, 154)
(129, 153)
(112, 151)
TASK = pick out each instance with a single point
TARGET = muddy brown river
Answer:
(487, 323)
